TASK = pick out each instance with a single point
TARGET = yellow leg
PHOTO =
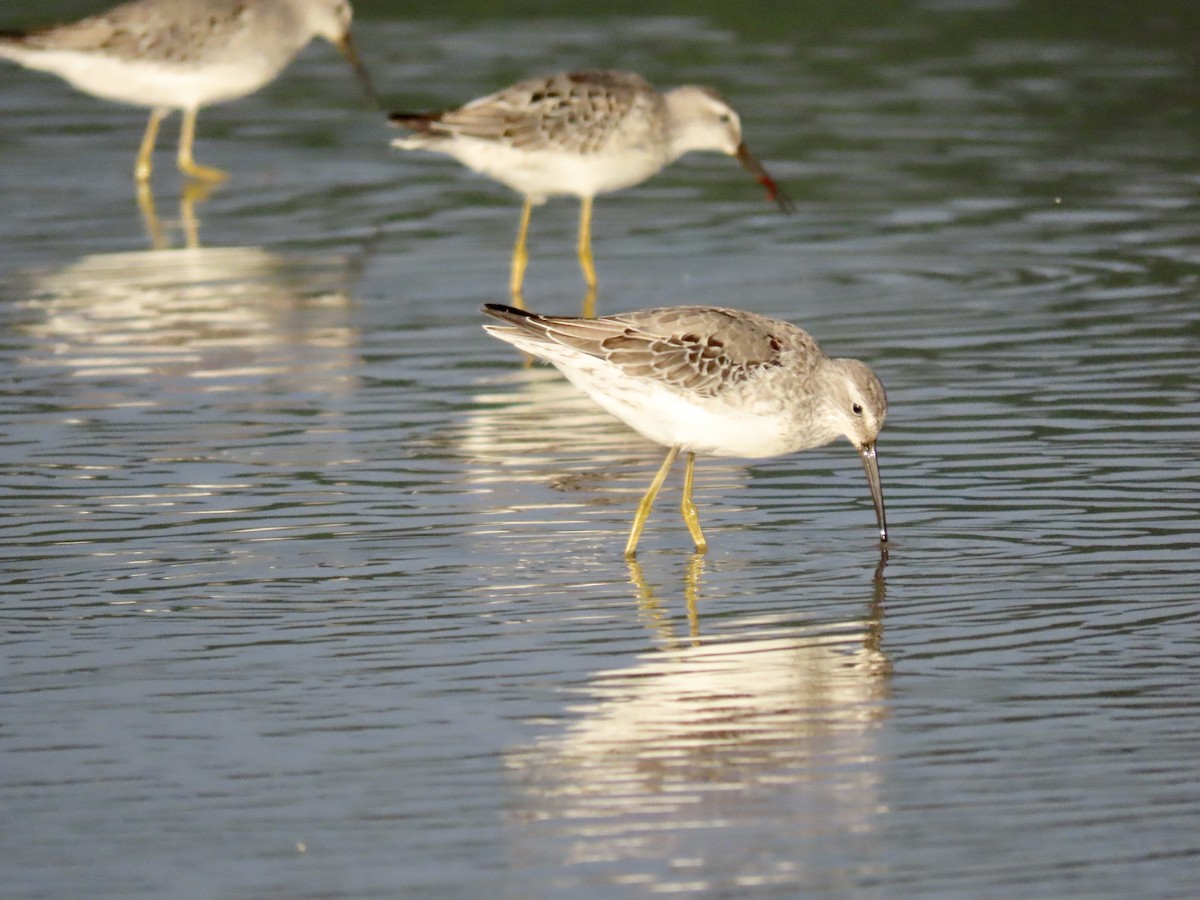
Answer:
(520, 257)
(145, 157)
(643, 510)
(188, 165)
(688, 508)
(586, 263)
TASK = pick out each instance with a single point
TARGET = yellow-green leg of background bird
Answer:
(688, 508)
(187, 164)
(589, 304)
(145, 157)
(643, 510)
(520, 258)
(584, 247)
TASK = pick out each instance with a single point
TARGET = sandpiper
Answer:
(701, 379)
(581, 133)
(183, 54)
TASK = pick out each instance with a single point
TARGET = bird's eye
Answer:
(726, 118)
(857, 408)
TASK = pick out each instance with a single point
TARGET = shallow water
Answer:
(314, 590)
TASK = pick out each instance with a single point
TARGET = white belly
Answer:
(148, 83)
(671, 418)
(545, 173)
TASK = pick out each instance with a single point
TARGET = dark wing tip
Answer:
(415, 121)
(508, 313)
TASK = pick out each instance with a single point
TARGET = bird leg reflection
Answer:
(688, 508)
(187, 164)
(691, 594)
(154, 229)
(520, 257)
(643, 510)
(192, 194)
(145, 160)
(584, 247)
(649, 603)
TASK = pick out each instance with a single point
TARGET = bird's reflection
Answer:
(652, 609)
(537, 415)
(204, 313)
(705, 737)
(553, 462)
(192, 194)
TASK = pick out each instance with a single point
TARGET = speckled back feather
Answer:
(576, 112)
(702, 350)
(166, 30)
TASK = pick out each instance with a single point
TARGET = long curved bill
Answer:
(346, 47)
(751, 164)
(871, 464)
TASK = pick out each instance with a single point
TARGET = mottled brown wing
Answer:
(701, 350)
(166, 32)
(89, 35)
(575, 112)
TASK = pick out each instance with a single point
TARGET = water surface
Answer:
(313, 590)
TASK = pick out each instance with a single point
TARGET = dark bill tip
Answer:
(871, 465)
(751, 164)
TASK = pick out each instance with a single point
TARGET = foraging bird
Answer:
(581, 133)
(183, 54)
(701, 379)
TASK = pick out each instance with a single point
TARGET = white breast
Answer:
(670, 418)
(544, 173)
(148, 83)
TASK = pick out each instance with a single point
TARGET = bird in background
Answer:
(582, 134)
(183, 55)
(700, 379)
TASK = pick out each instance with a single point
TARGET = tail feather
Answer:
(548, 336)
(507, 313)
(524, 330)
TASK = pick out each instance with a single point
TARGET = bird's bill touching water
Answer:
(871, 464)
(751, 164)
(345, 46)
